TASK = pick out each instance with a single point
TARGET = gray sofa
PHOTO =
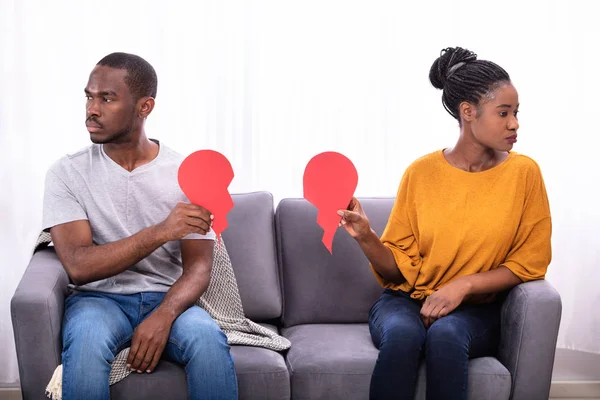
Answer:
(289, 282)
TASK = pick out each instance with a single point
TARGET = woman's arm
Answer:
(494, 281)
(381, 258)
(448, 297)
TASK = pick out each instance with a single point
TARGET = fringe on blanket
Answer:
(54, 388)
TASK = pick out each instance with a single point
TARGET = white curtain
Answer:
(272, 83)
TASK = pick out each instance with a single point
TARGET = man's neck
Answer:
(132, 154)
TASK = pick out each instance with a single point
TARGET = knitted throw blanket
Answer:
(221, 301)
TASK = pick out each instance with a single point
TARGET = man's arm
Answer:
(86, 262)
(150, 337)
(197, 259)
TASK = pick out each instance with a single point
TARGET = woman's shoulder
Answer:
(426, 162)
(524, 163)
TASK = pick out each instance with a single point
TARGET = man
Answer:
(138, 253)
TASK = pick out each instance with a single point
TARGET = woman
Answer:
(468, 223)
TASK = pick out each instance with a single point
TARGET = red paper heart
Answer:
(204, 177)
(330, 180)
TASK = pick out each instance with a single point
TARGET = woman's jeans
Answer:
(397, 331)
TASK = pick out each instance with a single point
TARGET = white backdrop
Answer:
(272, 83)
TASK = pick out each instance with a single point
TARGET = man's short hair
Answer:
(141, 76)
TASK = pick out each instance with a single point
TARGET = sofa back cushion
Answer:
(319, 287)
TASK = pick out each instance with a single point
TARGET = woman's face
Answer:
(496, 122)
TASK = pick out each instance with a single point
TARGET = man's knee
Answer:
(86, 343)
(197, 331)
(91, 331)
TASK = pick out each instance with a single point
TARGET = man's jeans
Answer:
(96, 326)
(397, 331)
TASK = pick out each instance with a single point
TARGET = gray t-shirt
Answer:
(89, 185)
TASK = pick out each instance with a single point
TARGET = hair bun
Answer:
(450, 59)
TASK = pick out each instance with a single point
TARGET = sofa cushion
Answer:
(330, 361)
(250, 240)
(335, 361)
(261, 373)
(167, 381)
(320, 287)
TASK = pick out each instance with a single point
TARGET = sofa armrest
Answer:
(530, 320)
(37, 310)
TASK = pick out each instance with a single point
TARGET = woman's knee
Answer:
(402, 333)
(448, 331)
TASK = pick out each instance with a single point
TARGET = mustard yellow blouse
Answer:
(448, 223)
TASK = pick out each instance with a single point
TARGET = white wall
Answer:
(272, 83)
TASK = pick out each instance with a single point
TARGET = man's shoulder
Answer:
(169, 160)
(170, 155)
(69, 160)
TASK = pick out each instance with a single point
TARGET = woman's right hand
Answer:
(354, 220)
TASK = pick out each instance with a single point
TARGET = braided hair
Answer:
(462, 77)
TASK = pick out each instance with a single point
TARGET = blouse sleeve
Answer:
(531, 250)
(399, 237)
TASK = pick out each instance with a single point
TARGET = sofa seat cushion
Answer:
(335, 361)
(261, 373)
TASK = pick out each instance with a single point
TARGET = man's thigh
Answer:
(194, 330)
(94, 322)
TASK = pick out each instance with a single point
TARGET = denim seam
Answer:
(139, 316)
(65, 315)
(177, 344)
(121, 344)
(477, 337)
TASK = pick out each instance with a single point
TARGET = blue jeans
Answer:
(96, 326)
(397, 331)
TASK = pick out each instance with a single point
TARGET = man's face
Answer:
(110, 107)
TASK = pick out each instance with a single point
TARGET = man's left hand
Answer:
(443, 302)
(149, 341)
